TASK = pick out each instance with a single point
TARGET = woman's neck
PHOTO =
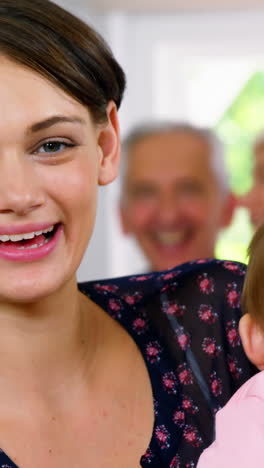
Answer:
(44, 346)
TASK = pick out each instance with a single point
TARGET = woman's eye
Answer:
(51, 147)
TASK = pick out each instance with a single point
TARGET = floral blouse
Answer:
(185, 323)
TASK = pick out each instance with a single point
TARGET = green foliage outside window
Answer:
(238, 128)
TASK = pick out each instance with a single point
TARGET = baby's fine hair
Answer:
(253, 290)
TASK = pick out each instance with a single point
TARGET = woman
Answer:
(123, 373)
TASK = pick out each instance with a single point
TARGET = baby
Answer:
(240, 424)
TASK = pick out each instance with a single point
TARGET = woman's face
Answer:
(52, 158)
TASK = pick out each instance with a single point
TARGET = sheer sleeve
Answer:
(197, 311)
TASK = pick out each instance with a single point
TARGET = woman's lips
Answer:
(32, 249)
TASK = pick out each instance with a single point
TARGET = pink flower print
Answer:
(115, 307)
(153, 351)
(175, 462)
(172, 308)
(233, 295)
(140, 278)
(192, 436)
(162, 436)
(185, 374)
(216, 384)
(232, 334)
(139, 325)
(210, 347)
(115, 304)
(206, 284)
(105, 288)
(169, 381)
(188, 405)
(132, 299)
(183, 339)
(233, 267)
(232, 364)
(207, 314)
(169, 287)
(235, 371)
(179, 418)
(199, 261)
(190, 465)
(169, 275)
(148, 456)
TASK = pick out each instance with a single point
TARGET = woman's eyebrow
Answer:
(53, 121)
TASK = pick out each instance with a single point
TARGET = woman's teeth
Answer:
(34, 246)
(26, 236)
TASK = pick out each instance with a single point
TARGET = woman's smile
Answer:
(29, 245)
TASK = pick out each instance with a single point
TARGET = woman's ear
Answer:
(252, 337)
(109, 146)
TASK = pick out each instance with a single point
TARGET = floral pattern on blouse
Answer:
(185, 324)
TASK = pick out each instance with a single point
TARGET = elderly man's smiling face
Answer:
(172, 202)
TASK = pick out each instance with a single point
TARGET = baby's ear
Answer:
(252, 337)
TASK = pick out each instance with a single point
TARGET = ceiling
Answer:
(169, 5)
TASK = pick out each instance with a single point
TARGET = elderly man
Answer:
(175, 192)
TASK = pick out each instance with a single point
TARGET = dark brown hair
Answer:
(51, 41)
(253, 290)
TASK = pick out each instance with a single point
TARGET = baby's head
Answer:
(251, 325)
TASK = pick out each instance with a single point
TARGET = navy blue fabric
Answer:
(185, 324)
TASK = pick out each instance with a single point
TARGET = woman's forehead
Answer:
(25, 94)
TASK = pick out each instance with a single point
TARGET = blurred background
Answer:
(201, 61)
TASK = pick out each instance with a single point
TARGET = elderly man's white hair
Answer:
(142, 131)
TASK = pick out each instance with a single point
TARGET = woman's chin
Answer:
(29, 291)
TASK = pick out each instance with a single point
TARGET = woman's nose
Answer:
(20, 191)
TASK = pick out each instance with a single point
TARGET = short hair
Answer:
(145, 130)
(253, 290)
(59, 46)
